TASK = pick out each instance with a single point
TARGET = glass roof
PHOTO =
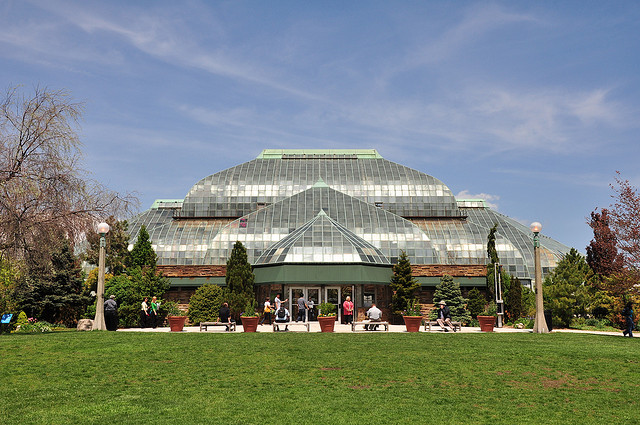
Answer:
(322, 240)
(247, 187)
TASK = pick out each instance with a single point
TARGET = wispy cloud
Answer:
(476, 22)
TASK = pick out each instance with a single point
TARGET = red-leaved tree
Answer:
(602, 252)
(625, 222)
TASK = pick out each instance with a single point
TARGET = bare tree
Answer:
(44, 191)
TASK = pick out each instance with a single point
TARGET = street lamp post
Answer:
(540, 325)
(98, 322)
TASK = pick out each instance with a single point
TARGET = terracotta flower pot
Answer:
(487, 323)
(176, 323)
(412, 323)
(250, 323)
(327, 323)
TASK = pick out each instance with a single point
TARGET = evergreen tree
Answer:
(53, 289)
(562, 288)
(240, 280)
(513, 300)
(449, 292)
(403, 285)
(492, 252)
(142, 254)
(476, 302)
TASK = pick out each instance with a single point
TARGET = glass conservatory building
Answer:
(331, 223)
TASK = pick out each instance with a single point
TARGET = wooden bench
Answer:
(230, 326)
(368, 322)
(281, 325)
(429, 323)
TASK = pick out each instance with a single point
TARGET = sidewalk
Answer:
(339, 328)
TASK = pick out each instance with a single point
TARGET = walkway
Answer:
(315, 327)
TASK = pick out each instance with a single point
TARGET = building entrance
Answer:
(311, 294)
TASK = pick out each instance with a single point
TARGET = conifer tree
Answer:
(449, 292)
(476, 302)
(240, 280)
(564, 285)
(403, 285)
(53, 289)
(493, 261)
(142, 254)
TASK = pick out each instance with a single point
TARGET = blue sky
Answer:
(531, 105)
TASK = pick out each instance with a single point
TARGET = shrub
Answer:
(205, 303)
(34, 327)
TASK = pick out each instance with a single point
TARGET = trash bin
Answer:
(548, 317)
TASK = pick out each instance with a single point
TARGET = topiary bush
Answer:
(205, 303)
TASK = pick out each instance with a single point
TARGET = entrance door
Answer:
(332, 296)
(311, 294)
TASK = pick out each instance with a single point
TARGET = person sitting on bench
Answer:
(282, 316)
(444, 317)
(375, 315)
(225, 315)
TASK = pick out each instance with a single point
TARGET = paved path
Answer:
(315, 327)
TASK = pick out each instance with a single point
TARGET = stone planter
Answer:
(487, 323)
(327, 323)
(412, 323)
(176, 323)
(249, 323)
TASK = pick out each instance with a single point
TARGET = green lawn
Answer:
(187, 378)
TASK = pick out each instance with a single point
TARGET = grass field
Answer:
(149, 378)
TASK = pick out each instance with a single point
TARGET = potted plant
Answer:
(488, 317)
(175, 316)
(327, 317)
(249, 318)
(412, 316)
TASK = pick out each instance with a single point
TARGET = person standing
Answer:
(267, 311)
(627, 313)
(144, 313)
(277, 302)
(347, 310)
(111, 313)
(444, 316)
(153, 312)
(302, 308)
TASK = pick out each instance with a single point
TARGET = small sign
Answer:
(6, 318)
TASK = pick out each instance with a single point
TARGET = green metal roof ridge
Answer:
(359, 153)
(156, 204)
(320, 183)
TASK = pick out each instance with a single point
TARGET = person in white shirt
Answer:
(267, 311)
(375, 315)
(282, 316)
